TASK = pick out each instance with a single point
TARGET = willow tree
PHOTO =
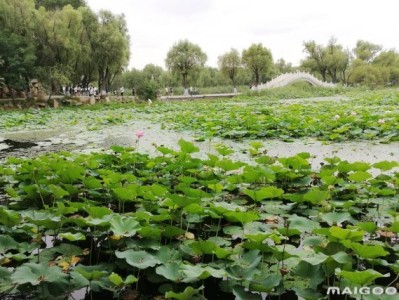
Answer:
(110, 46)
(330, 61)
(229, 64)
(58, 46)
(258, 59)
(184, 59)
(17, 46)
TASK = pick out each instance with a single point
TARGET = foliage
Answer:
(185, 58)
(181, 227)
(331, 61)
(258, 59)
(62, 42)
(229, 63)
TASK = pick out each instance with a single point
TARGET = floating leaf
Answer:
(72, 236)
(368, 251)
(187, 147)
(171, 271)
(361, 278)
(241, 216)
(188, 294)
(359, 176)
(335, 218)
(138, 259)
(316, 195)
(269, 192)
(36, 274)
(386, 165)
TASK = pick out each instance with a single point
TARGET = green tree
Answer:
(258, 59)
(110, 48)
(17, 47)
(316, 59)
(18, 60)
(59, 4)
(331, 61)
(210, 77)
(58, 45)
(184, 59)
(229, 64)
(337, 61)
(281, 67)
(366, 51)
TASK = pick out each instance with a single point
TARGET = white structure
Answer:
(287, 78)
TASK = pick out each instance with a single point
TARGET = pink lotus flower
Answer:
(381, 121)
(139, 134)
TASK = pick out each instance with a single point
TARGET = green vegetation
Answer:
(60, 43)
(190, 228)
(357, 116)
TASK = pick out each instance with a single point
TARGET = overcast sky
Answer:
(280, 25)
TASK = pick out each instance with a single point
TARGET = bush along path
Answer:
(125, 224)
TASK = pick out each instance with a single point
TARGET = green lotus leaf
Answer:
(228, 165)
(35, 274)
(72, 236)
(127, 226)
(368, 251)
(269, 192)
(386, 165)
(91, 272)
(346, 234)
(187, 147)
(241, 293)
(92, 183)
(168, 255)
(171, 271)
(361, 278)
(7, 243)
(302, 224)
(138, 259)
(241, 216)
(265, 283)
(316, 196)
(187, 294)
(359, 176)
(126, 193)
(335, 218)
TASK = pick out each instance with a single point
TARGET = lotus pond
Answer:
(188, 224)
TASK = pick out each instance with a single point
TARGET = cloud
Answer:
(282, 26)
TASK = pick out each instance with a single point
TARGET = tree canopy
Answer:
(258, 59)
(185, 58)
(61, 42)
(229, 64)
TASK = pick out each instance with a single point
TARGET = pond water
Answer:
(78, 139)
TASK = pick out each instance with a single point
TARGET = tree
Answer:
(331, 60)
(210, 77)
(337, 61)
(110, 48)
(259, 60)
(281, 67)
(229, 64)
(59, 4)
(185, 58)
(18, 60)
(58, 45)
(316, 59)
(17, 47)
(366, 51)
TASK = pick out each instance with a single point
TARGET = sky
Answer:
(282, 26)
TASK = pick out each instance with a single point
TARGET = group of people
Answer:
(77, 90)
